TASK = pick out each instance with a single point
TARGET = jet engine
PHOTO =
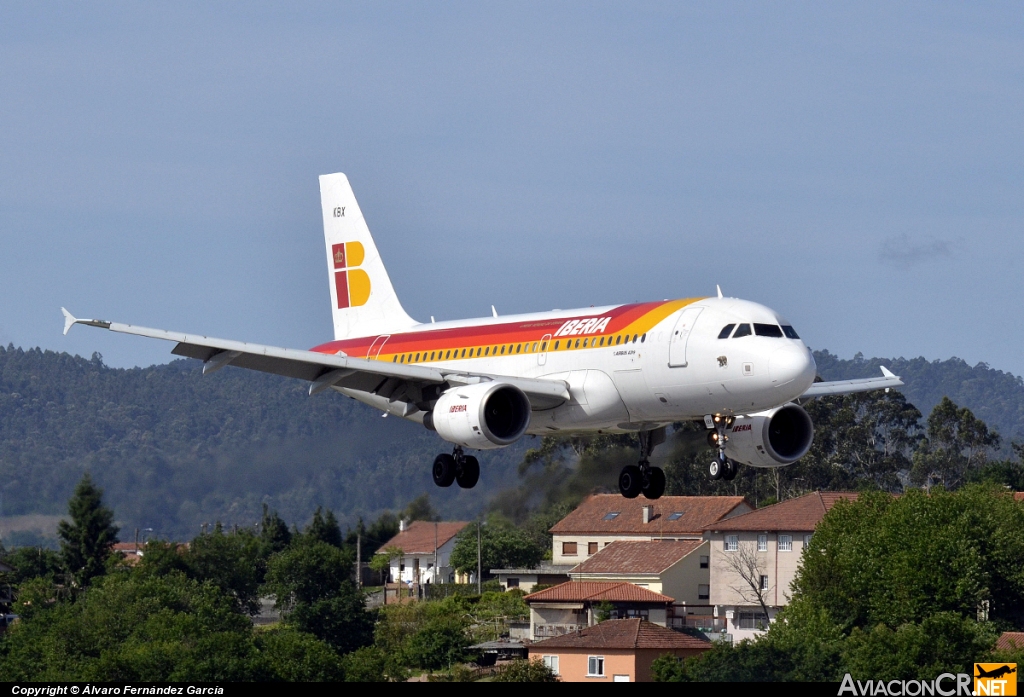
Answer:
(483, 416)
(773, 438)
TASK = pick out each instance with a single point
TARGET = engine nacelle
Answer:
(771, 438)
(483, 416)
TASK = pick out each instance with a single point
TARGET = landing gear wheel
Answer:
(630, 481)
(444, 470)
(729, 470)
(467, 472)
(716, 469)
(654, 483)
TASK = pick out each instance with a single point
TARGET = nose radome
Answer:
(789, 364)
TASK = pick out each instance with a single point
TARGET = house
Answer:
(426, 550)
(573, 606)
(131, 551)
(1010, 641)
(1018, 496)
(755, 556)
(603, 518)
(613, 651)
(527, 579)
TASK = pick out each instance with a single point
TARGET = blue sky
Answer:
(858, 168)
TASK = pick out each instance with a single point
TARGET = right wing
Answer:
(820, 389)
(414, 385)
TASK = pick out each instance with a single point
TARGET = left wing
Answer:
(414, 385)
(820, 389)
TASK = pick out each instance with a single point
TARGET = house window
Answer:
(703, 591)
(764, 582)
(591, 548)
(676, 516)
(762, 543)
(785, 543)
(552, 663)
(595, 666)
(731, 543)
(705, 561)
(568, 549)
(752, 620)
(513, 583)
(807, 540)
(611, 516)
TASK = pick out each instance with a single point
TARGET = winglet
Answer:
(719, 290)
(70, 320)
(886, 372)
(493, 311)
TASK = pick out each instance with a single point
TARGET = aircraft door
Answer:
(376, 346)
(680, 335)
(542, 357)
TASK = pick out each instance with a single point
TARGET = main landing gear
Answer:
(641, 477)
(457, 467)
(721, 467)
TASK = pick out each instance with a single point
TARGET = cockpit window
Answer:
(726, 331)
(789, 332)
(768, 330)
(742, 330)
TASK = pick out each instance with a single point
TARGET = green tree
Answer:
(524, 670)
(440, 643)
(312, 584)
(372, 664)
(86, 540)
(420, 509)
(274, 533)
(502, 546)
(31, 562)
(958, 443)
(324, 528)
(295, 656)
(232, 561)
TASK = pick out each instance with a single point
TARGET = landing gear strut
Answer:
(457, 467)
(721, 467)
(641, 477)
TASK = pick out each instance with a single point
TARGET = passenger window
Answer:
(395, 359)
(643, 338)
(487, 350)
(518, 347)
(535, 347)
(742, 330)
(431, 355)
(789, 332)
(417, 358)
(585, 342)
(771, 330)
(502, 350)
(556, 345)
(577, 343)
(618, 339)
(543, 346)
(726, 331)
(402, 360)
(448, 354)
(464, 353)
(634, 338)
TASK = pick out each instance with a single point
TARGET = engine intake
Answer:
(772, 438)
(483, 416)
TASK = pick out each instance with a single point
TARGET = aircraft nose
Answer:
(791, 364)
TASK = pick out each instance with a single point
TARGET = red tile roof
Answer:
(631, 633)
(1018, 495)
(800, 514)
(1010, 641)
(697, 512)
(641, 557)
(596, 592)
(419, 537)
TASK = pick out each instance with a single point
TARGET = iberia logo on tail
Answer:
(351, 283)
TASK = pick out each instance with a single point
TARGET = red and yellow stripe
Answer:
(490, 340)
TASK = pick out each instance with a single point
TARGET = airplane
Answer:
(734, 365)
(995, 672)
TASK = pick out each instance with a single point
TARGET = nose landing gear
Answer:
(457, 467)
(721, 467)
(642, 477)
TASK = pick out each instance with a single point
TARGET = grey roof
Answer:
(542, 569)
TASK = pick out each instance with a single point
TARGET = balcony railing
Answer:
(550, 630)
(704, 623)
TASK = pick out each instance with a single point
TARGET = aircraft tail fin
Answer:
(363, 301)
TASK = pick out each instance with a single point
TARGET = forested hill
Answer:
(174, 449)
(995, 397)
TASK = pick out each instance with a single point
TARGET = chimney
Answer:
(401, 525)
(648, 510)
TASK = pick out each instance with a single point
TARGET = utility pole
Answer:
(434, 579)
(479, 574)
(359, 560)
